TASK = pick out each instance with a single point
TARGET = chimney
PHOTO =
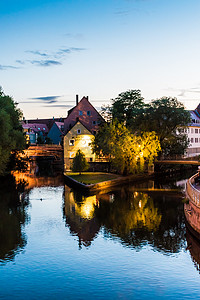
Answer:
(76, 99)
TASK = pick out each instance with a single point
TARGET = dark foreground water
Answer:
(125, 244)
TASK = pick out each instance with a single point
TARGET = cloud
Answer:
(6, 67)
(21, 62)
(46, 63)
(36, 52)
(183, 92)
(48, 99)
(58, 105)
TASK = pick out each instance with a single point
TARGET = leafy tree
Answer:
(128, 107)
(128, 152)
(80, 163)
(12, 138)
(168, 117)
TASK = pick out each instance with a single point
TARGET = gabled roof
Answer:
(78, 121)
(84, 98)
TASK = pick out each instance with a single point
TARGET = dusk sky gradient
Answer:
(52, 50)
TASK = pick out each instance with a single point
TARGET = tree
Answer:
(128, 107)
(127, 152)
(80, 163)
(168, 118)
(12, 138)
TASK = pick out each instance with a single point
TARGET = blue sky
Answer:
(52, 50)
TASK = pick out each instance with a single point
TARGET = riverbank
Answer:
(104, 185)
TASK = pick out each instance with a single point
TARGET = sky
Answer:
(52, 50)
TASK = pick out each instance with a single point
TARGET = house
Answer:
(78, 137)
(193, 132)
(35, 130)
(56, 132)
(80, 127)
(84, 112)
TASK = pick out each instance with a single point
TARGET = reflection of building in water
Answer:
(33, 181)
(193, 245)
(79, 213)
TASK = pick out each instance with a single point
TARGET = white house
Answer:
(193, 132)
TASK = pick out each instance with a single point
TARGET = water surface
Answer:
(126, 244)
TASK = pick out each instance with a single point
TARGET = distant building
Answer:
(193, 132)
(34, 130)
(56, 132)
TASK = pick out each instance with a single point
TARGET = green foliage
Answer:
(165, 116)
(127, 107)
(80, 163)
(168, 117)
(128, 152)
(11, 132)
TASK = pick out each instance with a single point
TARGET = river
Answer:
(130, 243)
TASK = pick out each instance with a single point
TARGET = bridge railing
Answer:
(192, 191)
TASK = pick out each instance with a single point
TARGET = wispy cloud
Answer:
(58, 105)
(6, 67)
(184, 92)
(47, 99)
(47, 59)
(36, 52)
(46, 63)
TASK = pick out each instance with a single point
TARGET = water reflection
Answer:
(79, 213)
(134, 218)
(193, 245)
(13, 216)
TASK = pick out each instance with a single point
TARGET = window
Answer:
(71, 142)
(90, 158)
(94, 122)
(38, 128)
(188, 130)
(94, 132)
(191, 130)
(196, 130)
(43, 128)
(196, 140)
(88, 113)
(80, 113)
(192, 140)
(78, 131)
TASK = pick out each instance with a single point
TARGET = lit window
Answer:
(38, 128)
(88, 113)
(71, 142)
(80, 113)
(78, 131)
(43, 128)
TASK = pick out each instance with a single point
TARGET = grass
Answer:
(92, 177)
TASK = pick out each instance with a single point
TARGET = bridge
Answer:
(192, 206)
(38, 155)
(177, 162)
